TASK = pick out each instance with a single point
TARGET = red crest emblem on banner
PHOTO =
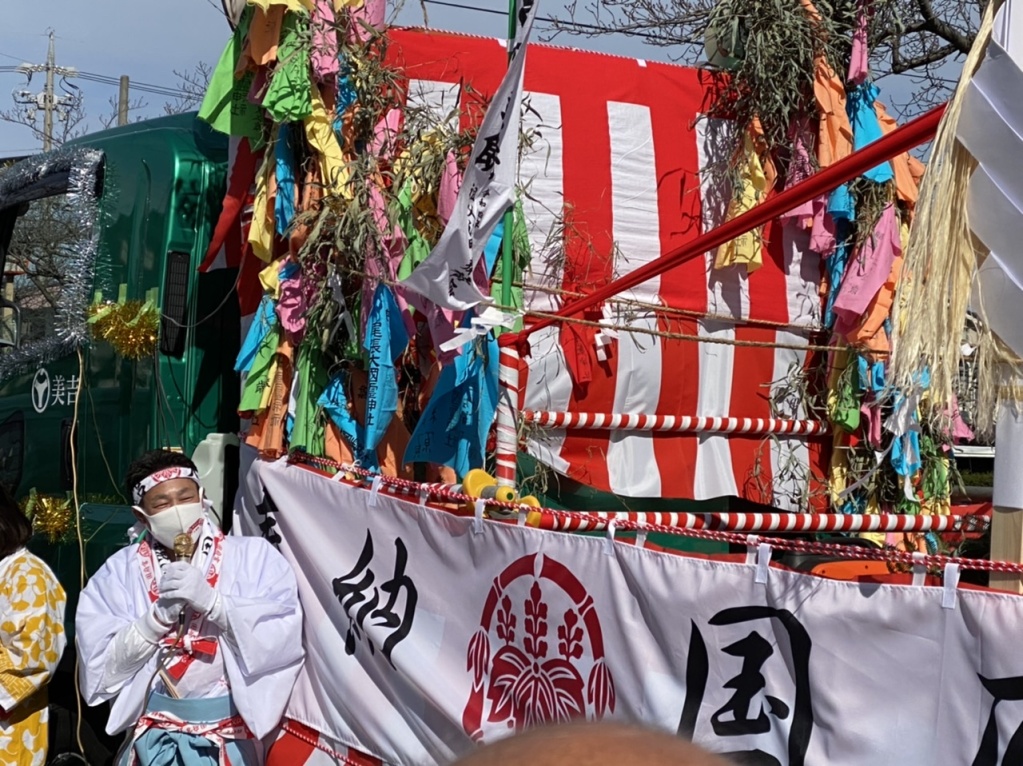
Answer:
(549, 662)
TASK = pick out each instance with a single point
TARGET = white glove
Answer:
(184, 583)
(167, 610)
(160, 619)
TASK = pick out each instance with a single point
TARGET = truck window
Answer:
(47, 211)
(35, 272)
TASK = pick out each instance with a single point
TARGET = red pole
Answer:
(900, 140)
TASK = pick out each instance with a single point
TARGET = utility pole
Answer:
(47, 102)
(122, 101)
(51, 62)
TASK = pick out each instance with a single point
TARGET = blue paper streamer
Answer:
(262, 323)
(284, 203)
(385, 341)
(859, 105)
(454, 427)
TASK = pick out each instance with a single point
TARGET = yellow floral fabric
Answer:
(31, 642)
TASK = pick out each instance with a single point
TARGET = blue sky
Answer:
(148, 41)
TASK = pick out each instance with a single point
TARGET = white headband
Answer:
(166, 474)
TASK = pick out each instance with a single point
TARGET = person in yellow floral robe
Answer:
(31, 640)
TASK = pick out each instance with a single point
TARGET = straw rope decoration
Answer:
(933, 296)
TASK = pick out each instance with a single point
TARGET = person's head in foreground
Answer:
(15, 528)
(591, 744)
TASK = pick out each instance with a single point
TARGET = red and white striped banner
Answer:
(614, 179)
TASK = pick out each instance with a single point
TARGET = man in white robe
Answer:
(198, 654)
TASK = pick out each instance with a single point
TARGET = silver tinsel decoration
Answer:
(81, 167)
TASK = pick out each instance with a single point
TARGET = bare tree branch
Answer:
(907, 37)
(68, 123)
(193, 85)
(135, 105)
(902, 65)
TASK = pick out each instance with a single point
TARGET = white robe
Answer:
(260, 597)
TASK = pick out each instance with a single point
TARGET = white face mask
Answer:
(168, 524)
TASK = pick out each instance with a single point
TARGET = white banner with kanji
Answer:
(427, 632)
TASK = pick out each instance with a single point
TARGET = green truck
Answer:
(118, 216)
(129, 212)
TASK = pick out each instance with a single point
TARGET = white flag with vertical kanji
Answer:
(487, 191)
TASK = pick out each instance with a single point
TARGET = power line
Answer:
(158, 90)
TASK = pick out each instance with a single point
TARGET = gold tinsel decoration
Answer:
(131, 327)
(51, 515)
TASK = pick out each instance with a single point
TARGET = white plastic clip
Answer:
(948, 596)
(340, 475)
(751, 549)
(919, 568)
(641, 534)
(522, 515)
(477, 519)
(609, 541)
(374, 490)
(763, 563)
(424, 495)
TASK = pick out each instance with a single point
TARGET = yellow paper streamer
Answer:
(746, 247)
(298, 6)
(319, 132)
(261, 235)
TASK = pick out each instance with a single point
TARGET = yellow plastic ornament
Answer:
(51, 515)
(132, 327)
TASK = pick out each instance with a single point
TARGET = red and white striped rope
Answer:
(768, 522)
(319, 745)
(507, 446)
(410, 488)
(606, 421)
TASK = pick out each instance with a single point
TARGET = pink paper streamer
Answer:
(384, 262)
(812, 214)
(868, 269)
(385, 133)
(372, 14)
(450, 183)
(292, 306)
(960, 431)
(859, 59)
(822, 230)
(871, 413)
(324, 54)
(799, 170)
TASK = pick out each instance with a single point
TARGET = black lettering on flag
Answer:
(361, 600)
(1003, 690)
(750, 709)
(268, 526)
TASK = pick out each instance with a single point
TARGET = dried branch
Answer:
(918, 38)
(193, 85)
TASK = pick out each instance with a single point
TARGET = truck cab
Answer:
(118, 216)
